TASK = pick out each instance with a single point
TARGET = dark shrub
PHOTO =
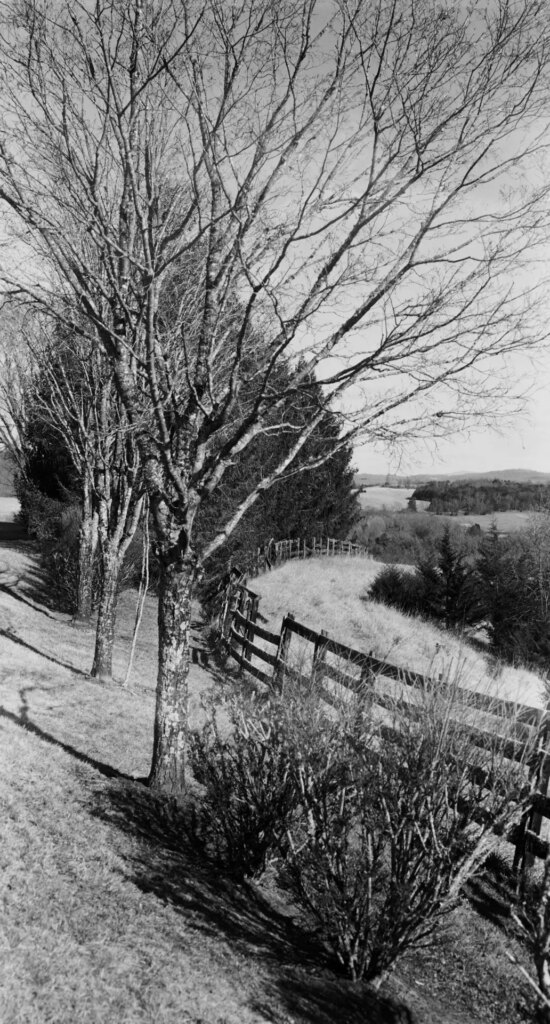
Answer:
(400, 589)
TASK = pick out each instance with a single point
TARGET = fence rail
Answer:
(275, 552)
(238, 624)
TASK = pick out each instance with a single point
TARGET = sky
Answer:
(519, 443)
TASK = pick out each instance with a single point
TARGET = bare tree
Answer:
(14, 402)
(73, 392)
(358, 185)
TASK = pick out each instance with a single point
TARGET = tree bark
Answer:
(86, 552)
(171, 726)
(102, 667)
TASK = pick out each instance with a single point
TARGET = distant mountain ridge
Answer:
(522, 476)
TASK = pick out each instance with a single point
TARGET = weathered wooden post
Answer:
(319, 657)
(367, 678)
(282, 652)
(532, 822)
(252, 615)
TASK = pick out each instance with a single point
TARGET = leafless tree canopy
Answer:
(210, 189)
(345, 177)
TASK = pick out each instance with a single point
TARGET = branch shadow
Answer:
(166, 861)
(36, 607)
(494, 893)
(37, 583)
(49, 657)
(22, 719)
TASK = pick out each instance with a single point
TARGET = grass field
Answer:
(392, 499)
(506, 522)
(109, 915)
(395, 499)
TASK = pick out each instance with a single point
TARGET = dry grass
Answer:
(506, 522)
(331, 593)
(392, 499)
(102, 920)
(107, 915)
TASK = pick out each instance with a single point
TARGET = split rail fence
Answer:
(277, 551)
(266, 656)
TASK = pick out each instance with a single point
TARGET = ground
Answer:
(107, 912)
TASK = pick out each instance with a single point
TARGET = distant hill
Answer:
(523, 476)
(7, 489)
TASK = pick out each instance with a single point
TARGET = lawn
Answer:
(109, 915)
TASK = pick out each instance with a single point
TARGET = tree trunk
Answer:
(86, 552)
(102, 667)
(171, 727)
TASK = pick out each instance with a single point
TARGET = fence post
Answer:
(282, 652)
(367, 677)
(224, 614)
(252, 615)
(532, 822)
(319, 655)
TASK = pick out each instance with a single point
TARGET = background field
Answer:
(395, 499)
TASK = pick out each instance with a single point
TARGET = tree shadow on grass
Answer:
(23, 720)
(15, 639)
(36, 605)
(35, 582)
(168, 862)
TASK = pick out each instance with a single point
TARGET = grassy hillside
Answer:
(331, 594)
(108, 913)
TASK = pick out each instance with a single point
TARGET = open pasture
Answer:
(396, 499)
(506, 522)
(390, 499)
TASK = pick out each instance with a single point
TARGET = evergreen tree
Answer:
(514, 581)
(321, 501)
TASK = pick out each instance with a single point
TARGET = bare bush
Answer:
(386, 843)
(534, 925)
(379, 810)
(249, 791)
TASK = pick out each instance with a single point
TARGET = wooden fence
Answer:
(266, 656)
(277, 551)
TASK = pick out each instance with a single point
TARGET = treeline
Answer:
(481, 497)
(408, 539)
(503, 586)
